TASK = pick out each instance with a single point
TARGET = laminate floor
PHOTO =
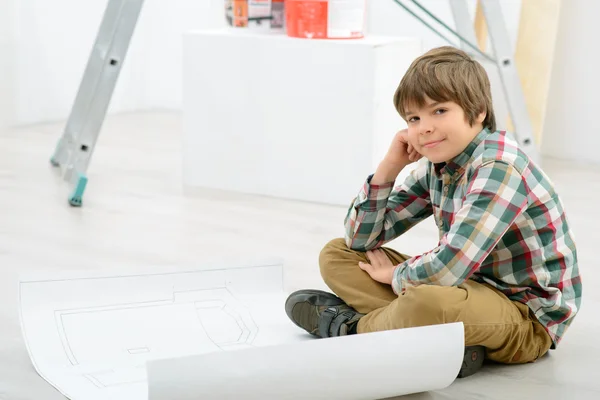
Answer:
(136, 214)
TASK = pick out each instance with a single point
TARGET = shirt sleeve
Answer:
(496, 196)
(380, 213)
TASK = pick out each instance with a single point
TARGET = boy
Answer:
(505, 264)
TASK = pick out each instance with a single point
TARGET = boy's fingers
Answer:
(381, 256)
(372, 257)
(384, 258)
(364, 266)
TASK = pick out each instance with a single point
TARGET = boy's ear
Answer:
(481, 117)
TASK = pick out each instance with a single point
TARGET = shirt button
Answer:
(446, 190)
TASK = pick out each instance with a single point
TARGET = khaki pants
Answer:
(505, 328)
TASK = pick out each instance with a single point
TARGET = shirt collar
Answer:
(457, 164)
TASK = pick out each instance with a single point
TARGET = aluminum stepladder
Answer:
(504, 60)
(76, 146)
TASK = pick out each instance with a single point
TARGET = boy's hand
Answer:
(381, 268)
(400, 154)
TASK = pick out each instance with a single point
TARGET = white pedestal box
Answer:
(291, 118)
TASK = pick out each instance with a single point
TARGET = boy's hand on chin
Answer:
(401, 153)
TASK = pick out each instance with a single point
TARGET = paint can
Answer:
(254, 14)
(325, 19)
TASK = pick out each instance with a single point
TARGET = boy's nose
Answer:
(425, 128)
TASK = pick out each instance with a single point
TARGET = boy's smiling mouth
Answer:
(433, 143)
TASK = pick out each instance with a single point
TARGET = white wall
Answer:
(55, 39)
(8, 29)
(388, 18)
(44, 46)
(570, 127)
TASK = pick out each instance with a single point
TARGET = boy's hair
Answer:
(447, 74)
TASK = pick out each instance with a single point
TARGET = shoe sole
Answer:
(315, 297)
(472, 361)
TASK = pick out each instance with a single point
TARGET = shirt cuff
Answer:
(374, 197)
(396, 281)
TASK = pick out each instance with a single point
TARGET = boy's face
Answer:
(440, 131)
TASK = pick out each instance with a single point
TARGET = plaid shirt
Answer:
(500, 222)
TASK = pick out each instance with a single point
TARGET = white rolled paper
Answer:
(216, 332)
(366, 366)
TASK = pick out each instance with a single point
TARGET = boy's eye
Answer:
(413, 119)
(440, 111)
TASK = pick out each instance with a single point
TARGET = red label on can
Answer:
(307, 19)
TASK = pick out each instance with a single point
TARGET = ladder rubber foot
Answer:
(75, 199)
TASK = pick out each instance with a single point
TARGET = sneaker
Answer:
(321, 314)
(472, 361)
(325, 315)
